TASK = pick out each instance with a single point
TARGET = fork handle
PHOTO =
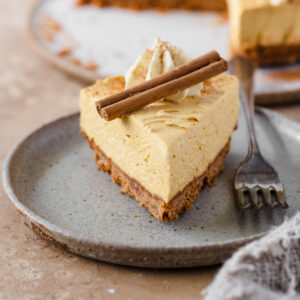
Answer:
(244, 69)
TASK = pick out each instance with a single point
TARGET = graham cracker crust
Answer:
(211, 5)
(273, 55)
(181, 202)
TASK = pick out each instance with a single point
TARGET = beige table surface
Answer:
(33, 92)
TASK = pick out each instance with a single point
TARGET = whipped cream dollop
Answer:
(161, 58)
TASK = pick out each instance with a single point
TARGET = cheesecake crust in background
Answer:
(274, 55)
(181, 202)
(210, 5)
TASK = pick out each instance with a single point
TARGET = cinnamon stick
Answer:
(156, 93)
(179, 71)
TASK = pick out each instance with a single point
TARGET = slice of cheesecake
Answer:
(266, 30)
(164, 153)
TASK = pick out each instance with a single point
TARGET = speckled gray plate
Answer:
(54, 184)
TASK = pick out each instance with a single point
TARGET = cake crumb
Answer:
(76, 61)
(64, 51)
(51, 23)
(91, 65)
(49, 28)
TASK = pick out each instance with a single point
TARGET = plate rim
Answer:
(66, 237)
(89, 77)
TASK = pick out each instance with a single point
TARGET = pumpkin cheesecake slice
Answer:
(266, 30)
(165, 152)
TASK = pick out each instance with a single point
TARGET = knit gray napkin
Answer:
(268, 268)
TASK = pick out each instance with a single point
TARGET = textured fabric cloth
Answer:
(268, 268)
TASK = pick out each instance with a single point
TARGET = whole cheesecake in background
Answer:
(268, 31)
(165, 152)
(216, 5)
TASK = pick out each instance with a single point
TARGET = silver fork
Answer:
(254, 174)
